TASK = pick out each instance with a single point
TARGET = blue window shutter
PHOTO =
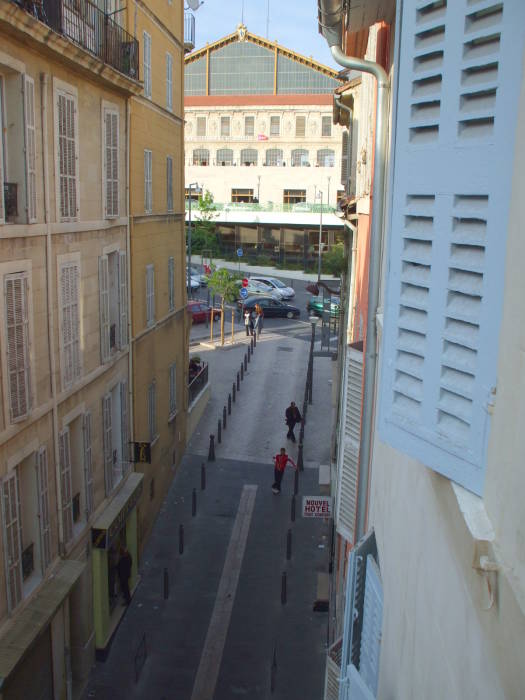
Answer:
(372, 623)
(456, 114)
(356, 688)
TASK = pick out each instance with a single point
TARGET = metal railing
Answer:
(301, 207)
(84, 23)
(189, 32)
(198, 383)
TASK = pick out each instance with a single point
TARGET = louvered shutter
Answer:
(70, 321)
(66, 489)
(43, 508)
(2, 210)
(169, 183)
(123, 298)
(12, 538)
(171, 283)
(17, 329)
(108, 443)
(333, 671)
(372, 624)
(111, 162)
(453, 154)
(349, 449)
(169, 81)
(124, 425)
(355, 688)
(345, 160)
(88, 463)
(148, 194)
(150, 295)
(300, 126)
(146, 63)
(173, 389)
(67, 156)
(103, 285)
(30, 146)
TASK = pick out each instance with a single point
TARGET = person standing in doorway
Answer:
(124, 572)
(292, 417)
(280, 461)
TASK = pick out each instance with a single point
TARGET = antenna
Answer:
(242, 12)
(194, 4)
(268, 19)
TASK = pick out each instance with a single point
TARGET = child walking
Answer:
(280, 461)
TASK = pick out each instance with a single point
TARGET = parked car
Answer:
(200, 312)
(315, 306)
(273, 308)
(259, 288)
(194, 283)
(287, 292)
(196, 273)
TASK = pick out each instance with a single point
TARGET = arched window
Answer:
(201, 156)
(224, 156)
(274, 156)
(326, 158)
(299, 157)
(249, 156)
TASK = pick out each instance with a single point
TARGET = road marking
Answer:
(208, 671)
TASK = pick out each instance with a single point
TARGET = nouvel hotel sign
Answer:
(317, 507)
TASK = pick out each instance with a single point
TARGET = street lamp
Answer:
(314, 320)
(188, 271)
(328, 193)
(320, 196)
(258, 188)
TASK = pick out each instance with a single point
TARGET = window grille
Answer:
(224, 156)
(249, 156)
(274, 156)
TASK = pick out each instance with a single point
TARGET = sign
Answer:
(262, 137)
(243, 293)
(239, 252)
(141, 452)
(317, 507)
(245, 282)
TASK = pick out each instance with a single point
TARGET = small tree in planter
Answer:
(223, 283)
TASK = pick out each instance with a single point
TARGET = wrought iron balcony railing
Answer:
(197, 384)
(189, 32)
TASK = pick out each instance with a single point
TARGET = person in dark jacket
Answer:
(280, 461)
(292, 417)
(124, 572)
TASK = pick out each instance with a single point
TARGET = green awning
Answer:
(112, 520)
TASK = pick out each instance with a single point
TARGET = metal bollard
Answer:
(250, 349)
(283, 588)
(233, 392)
(211, 451)
(292, 513)
(166, 585)
(224, 417)
(289, 544)
(229, 404)
(239, 381)
(249, 353)
(219, 431)
(300, 463)
(181, 539)
(245, 362)
(203, 476)
(242, 371)
(254, 341)
(193, 503)
(296, 482)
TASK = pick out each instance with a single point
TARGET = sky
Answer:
(293, 23)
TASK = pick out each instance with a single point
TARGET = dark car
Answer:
(315, 306)
(272, 308)
(200, 311)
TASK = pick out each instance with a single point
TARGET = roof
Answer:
(277, 218)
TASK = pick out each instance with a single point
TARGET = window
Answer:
(16, 294)
(169, 183)
(249, 156)
(169, 81)
(249, 126)
(201, 156)
(30, 146)
(115, 427)
(107, 435)
(201, 126)
(3, 155)
(12, 537)
(146, 63)
(274, 156)
(326, 126)
(148, 182)
(66, 492)
(88, 464)
(67, 156)
(225, 156)
(111, 163)
(152, 411)
(275, 126)
(69, 319)
(242, 195)
(150, 295)
(326, 158)
(300, 126)
(294, 196)
(225, 126)
(299, 158)
(113, 290)
(43, 507)
(171, 283)
(173, 390)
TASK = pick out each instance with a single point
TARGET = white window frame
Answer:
(169, 81)
(169, 183)
(70, 330)
(70, 92)
(150, 295)
(172, 412)
(148, 181)
(171, 283)
(30, 147)
(111, 152)
(146, 63)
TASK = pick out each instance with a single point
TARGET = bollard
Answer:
(211, 451)
(238, 381)
(283, 588)
(233, 392)
(166, 585)
(296, 482)
(249, 353)
(289, 545)
(245, 362)
(250, 349)
(203, 476)
(273, 670)
(193, 503)
(242, 371)
(292, 513)
(181, 539)
(230, 404)
(300, 464)
(219, 431)
(254, 341)
(224, 417)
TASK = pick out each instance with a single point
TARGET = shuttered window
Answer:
(43, 508)
(88, 463)
(111, 163)
(66, 489)
(148, 181)
(123, 298)
(12, 538)
(103, 285)
(70, 322)
(275, 126)
(150, 295)
(171, 283)
(173, 389)
(201, 126)
(372, 624)
(225, 126)
(249, 126)
(169, 183)
(2, 126)
(17, 333)
(456, 121)
(152, 410)
(124, 426)
(67, 155)
(326, 126)
(30, 147)
(300, 126)
(107, 435)
(169, 81)
(146, 63)
(345, 161)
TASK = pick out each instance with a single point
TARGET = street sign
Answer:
(245, 282)
(317, 507)
(243, 292)
(239, 252)
(141, 452)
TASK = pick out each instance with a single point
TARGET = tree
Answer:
(334, 261)
(203, 235)
(223, 282)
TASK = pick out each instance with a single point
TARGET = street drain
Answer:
(284, 349)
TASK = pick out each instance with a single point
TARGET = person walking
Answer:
(247, 318)
(292, 417)
(280, 461)
(259, 319)
(124, 572)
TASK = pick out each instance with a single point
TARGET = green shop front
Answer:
(114, 529)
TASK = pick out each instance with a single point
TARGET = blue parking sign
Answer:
(239, 252)
(244, 292)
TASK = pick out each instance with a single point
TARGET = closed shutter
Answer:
(326, 126)
(169, 81)
(17, 328)
(150, 295)
(333, 671)
(67, 156)
(201, 126)
(300, 126)
(66, 489)
(43, 508)
(123, 298)
(372, 624)
(350, 439)
(70, 322)
(456, 122)
(124, 425)
(171, 283)
(345, 160)
(146, 63)
(103, 286)
(111, 163)
(169, 183)
(12, 538)
(148, 194)
(275, 126)
(30, 146)
(355, 688)
(108, 443)
(88, 463)
(173, 389)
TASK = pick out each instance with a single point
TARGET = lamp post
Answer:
(320, 196)
(328, 192)
(258, 189)
(314, 320)
(188, 271)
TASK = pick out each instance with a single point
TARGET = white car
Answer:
(259, 288)
(194, 283)
(276, 284)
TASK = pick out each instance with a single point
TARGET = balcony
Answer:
(197, 382)
(189, 32)
(83, 23)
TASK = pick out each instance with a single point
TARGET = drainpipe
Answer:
(131, 346)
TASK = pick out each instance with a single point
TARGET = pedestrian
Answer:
(280, 461)
(124, 572)
(259, 320)
(247, 317)
(252, 321)
(292, 417)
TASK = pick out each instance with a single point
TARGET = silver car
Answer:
(276, 284)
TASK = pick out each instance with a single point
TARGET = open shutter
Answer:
(43, 508)
(350, 439)
(67, 156)
(66, 489)
(70, 322)
(108, 443)
(146, 63)
(30, 146)
(88, 463)
(111, 162)
(12, 538)
(17, 327)
(345, 160)
(355, 688)
(372, 624)
(103, 285)
(123, 298)
(124, 425)
(171, 283)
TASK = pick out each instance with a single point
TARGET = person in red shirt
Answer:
(280, 462)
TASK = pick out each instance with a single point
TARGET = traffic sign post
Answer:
(239, 255)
